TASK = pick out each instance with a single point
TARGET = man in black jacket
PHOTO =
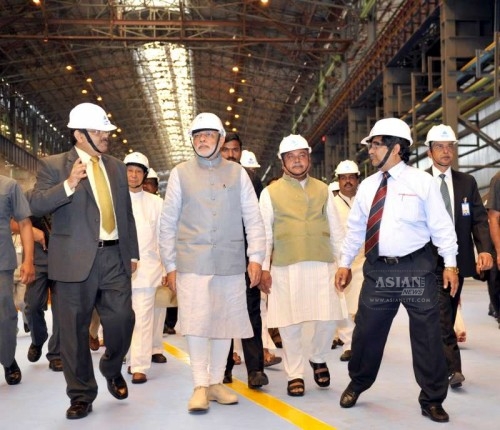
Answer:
(464, 205)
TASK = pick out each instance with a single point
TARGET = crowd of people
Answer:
(239, 258)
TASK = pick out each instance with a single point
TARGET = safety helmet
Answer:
(333, 186)
(137, 159)
(345, 167)
(441, 132)
(248, 159)
(291, 143)
(152, 174)
(389, 127)
(89, 116)
(207, 121)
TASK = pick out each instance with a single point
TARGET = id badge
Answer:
(465, 208)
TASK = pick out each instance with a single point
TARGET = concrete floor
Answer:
(40, 402)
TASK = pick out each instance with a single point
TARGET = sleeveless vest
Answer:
(300, 230)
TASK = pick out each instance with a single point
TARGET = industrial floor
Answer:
(39, 402)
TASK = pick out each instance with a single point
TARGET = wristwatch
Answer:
(453, 269)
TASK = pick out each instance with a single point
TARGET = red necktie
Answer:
(374, 219)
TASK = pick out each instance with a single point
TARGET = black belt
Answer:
(104, 243)
(397, 260)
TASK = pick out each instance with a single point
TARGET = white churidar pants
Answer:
(208, 359)
(293, 346)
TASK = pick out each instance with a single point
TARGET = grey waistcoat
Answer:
(210, 237)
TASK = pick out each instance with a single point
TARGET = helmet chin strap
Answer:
(89, 140)
(212, 153)
(386, 157)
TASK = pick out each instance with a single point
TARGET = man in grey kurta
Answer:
(207, 203)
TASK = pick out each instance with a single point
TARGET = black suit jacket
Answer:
(471, 230)
(76, 219)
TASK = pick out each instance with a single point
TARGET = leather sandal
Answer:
(321, 374)
(296, 387)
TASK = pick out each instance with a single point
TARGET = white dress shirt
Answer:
(414, 213)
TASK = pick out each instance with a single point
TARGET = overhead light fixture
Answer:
(69, 67)
(89, 80)
(99, 98)
(236, 116)
(227, 123)
(231, 90)
(239, 100)
(243, 81)
(234, 129)
(84, 91)
(229, 108)
(236, 69)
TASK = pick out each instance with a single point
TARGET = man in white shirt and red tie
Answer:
(399, 266)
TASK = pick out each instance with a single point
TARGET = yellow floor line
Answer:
(280, 408)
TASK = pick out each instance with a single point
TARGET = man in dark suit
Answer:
(93, 251)
(466, 209)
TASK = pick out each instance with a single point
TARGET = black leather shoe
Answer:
(349, 398)
(56, 365)
(12, 374)
(346, 355)
(158, 358)
(435, 413)
(78, 410)
(34, 352)
(257, 379)
(228, 377)
(118, 387)
(456, 379)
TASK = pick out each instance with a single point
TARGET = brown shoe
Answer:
(139, 378)
(94, 343)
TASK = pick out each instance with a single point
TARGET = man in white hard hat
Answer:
(347, 174)
(396, 213)
(210, 208)
(253, 349)
(146, 345)
(464, 206)
(93, 252)
(303, 235)
(151, 182)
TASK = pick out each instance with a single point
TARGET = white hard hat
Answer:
(389, 127)
(291, 143)
(207, 121)
(89, 116)
(345, 167)
(137, 158)
(441, 132)
(248, 159)
(152, 174)
(333, 186)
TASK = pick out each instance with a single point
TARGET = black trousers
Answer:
(109, 289)
(411, 283)
(36, 299)
(449, 306)
(253, 350)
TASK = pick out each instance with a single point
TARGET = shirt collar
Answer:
(436, 172)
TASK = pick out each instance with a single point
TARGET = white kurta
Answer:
(304, 291)
(147, 210)
(343, 205)
(211, 306)
(147, 329)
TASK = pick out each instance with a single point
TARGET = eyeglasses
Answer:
(441, 147)
(208, 134)
(375, 144)
(98, 132)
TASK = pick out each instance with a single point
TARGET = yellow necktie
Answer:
(104, 197)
